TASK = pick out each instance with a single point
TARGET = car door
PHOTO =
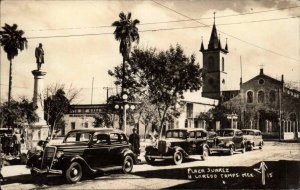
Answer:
(201, 138)
(191, 142)
(238, 139)
(99, 150)
(118, 143)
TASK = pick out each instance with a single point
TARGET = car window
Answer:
(101, 139)
(238, 133)
(225, 133)
(116, 138)
(176, 134)
(257, 134)
(248, 132)
(192, 134)
(200, 134)
(78, 137)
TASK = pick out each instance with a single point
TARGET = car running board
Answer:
(106, 169)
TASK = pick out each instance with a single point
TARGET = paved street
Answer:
(162, 175)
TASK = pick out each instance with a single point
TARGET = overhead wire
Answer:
(170, 21)
(237, 38)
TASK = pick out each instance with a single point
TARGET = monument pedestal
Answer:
(39, 130)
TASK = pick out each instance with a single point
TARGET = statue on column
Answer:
(39, 55)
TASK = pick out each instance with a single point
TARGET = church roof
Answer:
(262, 75)
(214, 42)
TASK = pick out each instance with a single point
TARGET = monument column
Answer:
(38, 130)
(38, 97)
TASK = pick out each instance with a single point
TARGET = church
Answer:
(262, 102)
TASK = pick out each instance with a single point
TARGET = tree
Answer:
(219, 113)
(12, 41)
(56, 104)
(102, 120)
(18, 113)
(161, 78)
(126, 32)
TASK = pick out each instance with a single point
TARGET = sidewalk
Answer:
(14, 170)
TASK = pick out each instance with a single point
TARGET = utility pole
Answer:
(92, 90)
(107, 89)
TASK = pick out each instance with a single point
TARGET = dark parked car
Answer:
(86, 151)
(179, 144)
(228, 141)
(253, 138)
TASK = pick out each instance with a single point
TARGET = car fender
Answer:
(178, 148)
(229, 144)
(203, 146)
(129, 152)
(66, 162)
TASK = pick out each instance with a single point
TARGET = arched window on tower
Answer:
(211, 63)
(272, 96)
(249, 97)
(223, 64)
(261, 96)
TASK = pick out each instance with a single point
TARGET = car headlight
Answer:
(59, 154)
(168, 144)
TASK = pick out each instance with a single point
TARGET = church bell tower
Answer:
(214, 65)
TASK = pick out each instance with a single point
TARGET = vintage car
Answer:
(179, 144)
(253, 138)
(228, 141)
(83, 152)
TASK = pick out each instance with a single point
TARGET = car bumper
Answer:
(47, 171)
(219, 149)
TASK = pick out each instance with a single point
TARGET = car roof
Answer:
(228, 129)
(256, 130)
(188, 129)
(102, 130)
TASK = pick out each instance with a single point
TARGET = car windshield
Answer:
(78, 137)
(176, 134)
(225, 133)
(248, 133)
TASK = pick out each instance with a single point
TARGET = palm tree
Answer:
(126, 32)
(11, 40)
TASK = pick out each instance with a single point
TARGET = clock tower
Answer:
(214, 65)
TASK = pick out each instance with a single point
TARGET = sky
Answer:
(80, 47)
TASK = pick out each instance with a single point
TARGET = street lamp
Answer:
(124, 105)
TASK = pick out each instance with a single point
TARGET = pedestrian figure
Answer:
(17, 143)
(1, 163)
(5, 144)
(134, 139)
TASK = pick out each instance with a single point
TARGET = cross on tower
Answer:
(261, 66)
(214, 16)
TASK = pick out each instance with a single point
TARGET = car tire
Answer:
(261, 145)
(150, 161)
(252, 147)
(177, 158)
(205, 154)
(243, 149)
(127, 164)
(74, 173)
(231, 150)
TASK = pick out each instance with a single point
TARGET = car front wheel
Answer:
(231, 150)
(177, 158)
(261, 145)
(150, 160)
(127, 164)
(74, 172)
